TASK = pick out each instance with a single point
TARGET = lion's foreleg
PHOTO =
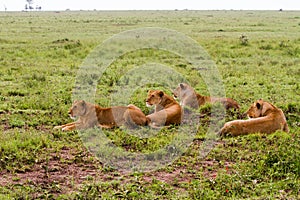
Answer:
(68, 127)
(104, 126)
(64, 125)
(223, 131)
(230, 128)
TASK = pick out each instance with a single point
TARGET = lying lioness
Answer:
(188, 97)
(264, 118)
(167, 110)
(90, 115)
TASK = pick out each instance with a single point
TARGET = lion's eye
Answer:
(152, 95)
(75, 107)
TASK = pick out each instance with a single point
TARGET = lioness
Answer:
(167, 110)
(264, 118)
(188, 97)
(90, 115)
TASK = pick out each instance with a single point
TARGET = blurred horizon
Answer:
(114, 5)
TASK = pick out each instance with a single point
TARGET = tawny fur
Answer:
(188, 97)
(90, 115)
(264, 118)
(167, 110)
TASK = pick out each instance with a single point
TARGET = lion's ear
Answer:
(265, 107)
(258, 105)
(181, 85)
(161, 93)
(83, 103)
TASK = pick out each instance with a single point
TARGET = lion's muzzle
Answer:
(148, 104)
(70, 113)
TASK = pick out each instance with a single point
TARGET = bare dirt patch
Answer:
(67, 170)
(62, 172)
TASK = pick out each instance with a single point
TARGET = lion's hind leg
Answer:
(157, 119)
(285, 127)
(134, 117)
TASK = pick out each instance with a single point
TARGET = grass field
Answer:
(257, 54)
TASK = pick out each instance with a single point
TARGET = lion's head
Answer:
(187, 95)
(182, 90)
(78, 109)
(259, 109)
(154, 97)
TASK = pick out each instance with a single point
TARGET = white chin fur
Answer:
(72, 117)
(148, 105)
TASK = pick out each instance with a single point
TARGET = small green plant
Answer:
(244, 40)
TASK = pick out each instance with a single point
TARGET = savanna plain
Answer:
(257, 54)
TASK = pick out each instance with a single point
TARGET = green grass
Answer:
(257, 55)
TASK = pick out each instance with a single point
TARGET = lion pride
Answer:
(188, 97)
(90, 115)
(264, 118)
(167, 110)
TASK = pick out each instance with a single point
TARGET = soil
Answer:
(66, 171)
